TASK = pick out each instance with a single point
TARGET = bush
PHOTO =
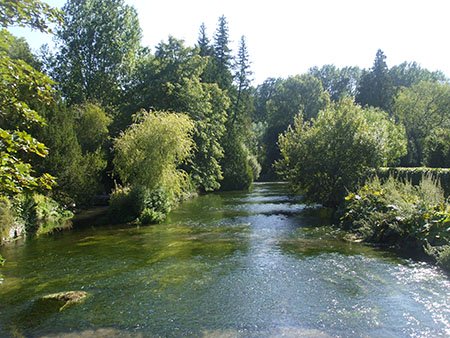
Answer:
(41, 214)
(398, 213)
(139, 203)
(325, 158)
(122, 207)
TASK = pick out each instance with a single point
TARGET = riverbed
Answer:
(248, 264)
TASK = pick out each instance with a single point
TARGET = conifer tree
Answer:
(375, 88)
(222, 55)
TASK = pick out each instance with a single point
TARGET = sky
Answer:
(287, 37)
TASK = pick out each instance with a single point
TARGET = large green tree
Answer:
(422, 108)
(222, 60)
(408, 74)
(77, 137)
(172, 80)
(98, 45)
(237, 171)
(325, 157)
(298, 94)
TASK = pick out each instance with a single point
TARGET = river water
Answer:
(256, 264)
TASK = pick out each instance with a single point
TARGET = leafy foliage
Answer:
(22, 90)
(172, 81)
(339, 83)
(41, 214)
(28, 13)
(327, 156)
(437, 148)
(77, 137)
(148, 153)
(98, 45)
(299, 94)
(238, 174)
(414, 175)
(398, 213)
(422, 108)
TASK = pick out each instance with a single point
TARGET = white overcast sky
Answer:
(287, 37)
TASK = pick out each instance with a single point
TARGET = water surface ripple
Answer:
(256, 264)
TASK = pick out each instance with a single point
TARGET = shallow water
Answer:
(224, 265)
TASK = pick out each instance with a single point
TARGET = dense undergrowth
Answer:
(31, 214)
(397, 213)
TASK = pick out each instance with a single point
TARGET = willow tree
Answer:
(149, 152)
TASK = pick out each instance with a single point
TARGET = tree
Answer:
(422, 108)
(18, 49)
(298, 94)
(76, 137)
(149, 152)
(325, 158)
(32, 13)
(203, 43)
(338, 82)
(437, 148)
(242, 79)
(237, 172)
(172, 80)
(408, 74)
(262, 95)
(375, 87)
(23, 90)
(222, 59)
(98, 46)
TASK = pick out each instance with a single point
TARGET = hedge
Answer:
(415, 175)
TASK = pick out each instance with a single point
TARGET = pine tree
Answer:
(222, 55)
(242, 79)
(376, 87)
(203, 42)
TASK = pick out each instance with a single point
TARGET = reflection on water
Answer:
(223, 265)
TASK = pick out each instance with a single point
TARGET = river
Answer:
(254, 264)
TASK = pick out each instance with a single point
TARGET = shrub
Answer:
(122, 207)
(139, 203)
(41, 214)
(401, 214)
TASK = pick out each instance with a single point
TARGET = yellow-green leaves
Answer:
(148, 153)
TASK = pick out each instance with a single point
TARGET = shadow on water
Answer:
(254, 264)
